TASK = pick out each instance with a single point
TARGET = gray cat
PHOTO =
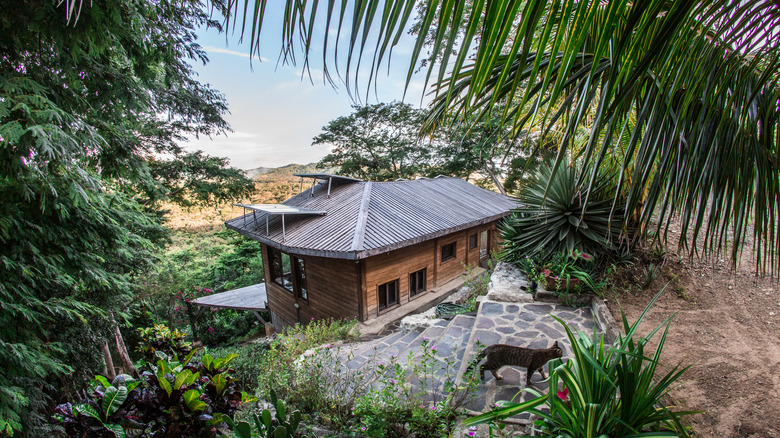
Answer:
(500, 355)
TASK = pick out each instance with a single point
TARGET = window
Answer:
(448, 252)
(388, 295)
(281, 268)
(300, 278)
(417, 282)
(473, 241)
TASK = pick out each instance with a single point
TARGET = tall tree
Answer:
(379, 142)
(693, 85)
(85, 106)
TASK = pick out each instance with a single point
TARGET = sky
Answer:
(274, 112)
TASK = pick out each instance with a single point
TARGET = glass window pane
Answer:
(300, 276)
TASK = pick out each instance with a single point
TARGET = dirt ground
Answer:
(727, 328)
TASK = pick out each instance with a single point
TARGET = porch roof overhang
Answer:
(252, 298)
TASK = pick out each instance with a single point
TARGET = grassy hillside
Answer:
(272, 186)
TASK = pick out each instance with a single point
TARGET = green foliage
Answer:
(220, 327)
(569, 271)
(160, 338)
(80, 118)
(245, 367)
(268, 426)
(172, 398)
(377, 142)
(604, 390)
(288, 347)
(383, 142)
(557, 215)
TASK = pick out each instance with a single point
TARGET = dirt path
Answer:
(728, 330)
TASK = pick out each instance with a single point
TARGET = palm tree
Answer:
(684, 93)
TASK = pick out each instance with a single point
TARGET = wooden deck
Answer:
(252, 298)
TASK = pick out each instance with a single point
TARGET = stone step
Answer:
(367, 349)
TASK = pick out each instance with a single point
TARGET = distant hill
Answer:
(287, 171)
(253, 173)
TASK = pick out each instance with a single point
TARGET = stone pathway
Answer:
(515, 320)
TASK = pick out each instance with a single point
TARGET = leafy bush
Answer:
(171, 398)
(603, 390)
(159, 338)
(558, 216)
(288, 347)
(219, 327)
(246, 365)
(268, 426)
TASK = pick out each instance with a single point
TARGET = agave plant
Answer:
(604, 390)
(558, 215)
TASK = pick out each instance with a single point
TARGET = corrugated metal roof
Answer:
(367, 218)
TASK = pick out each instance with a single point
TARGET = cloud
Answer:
(212, 49)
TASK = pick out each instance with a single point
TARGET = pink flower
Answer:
(546, 272)
(211, 329)
(471, 433)
(564, 395)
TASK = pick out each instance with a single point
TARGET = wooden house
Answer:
(350, 248)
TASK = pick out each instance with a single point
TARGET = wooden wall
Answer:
(399, 264)
(346, 288)
(393, 265)
(332, 286)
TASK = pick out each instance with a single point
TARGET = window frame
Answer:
(415, 280)
(473, 241)
(296, 277)
(275, 263)
(381, 307)
(453, 252)
(299, 272)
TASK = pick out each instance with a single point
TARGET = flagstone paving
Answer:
(455, 345)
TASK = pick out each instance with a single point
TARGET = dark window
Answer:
(300, 278)
(388, 295)
(281, 268)
(448, 252)
(473, 241)
(417, 282)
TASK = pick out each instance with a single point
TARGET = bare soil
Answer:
(727, 328)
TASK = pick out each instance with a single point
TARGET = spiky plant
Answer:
(558, 214)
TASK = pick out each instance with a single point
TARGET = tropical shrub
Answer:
(171, 398)
(159, 338)
(267, 425)
(558, 214)
(569, 271)
(285, 379)
(604, 390)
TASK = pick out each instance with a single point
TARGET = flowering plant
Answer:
(569, 271)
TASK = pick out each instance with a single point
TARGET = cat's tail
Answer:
(476, 360)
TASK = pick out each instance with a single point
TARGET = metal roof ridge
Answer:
(362, 218)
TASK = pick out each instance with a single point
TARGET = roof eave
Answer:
(363, 254)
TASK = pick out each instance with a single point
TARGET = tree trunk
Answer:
(127, 364)
(109, 371)
(495, 180)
